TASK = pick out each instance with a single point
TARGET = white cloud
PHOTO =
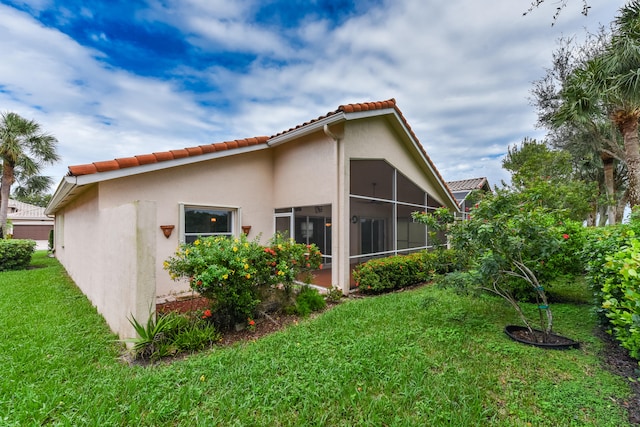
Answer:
(460, 71)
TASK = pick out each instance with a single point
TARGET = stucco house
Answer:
(461, 190)
(29, 221)
(346, 181)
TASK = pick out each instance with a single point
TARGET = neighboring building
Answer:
(462, 189)
(29, 221)
(347, 181)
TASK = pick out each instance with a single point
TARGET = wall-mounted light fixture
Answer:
(167, 229)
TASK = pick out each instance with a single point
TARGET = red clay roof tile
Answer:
(127, 162)
(194, 151)
(220, 146)
(145, 159)
(82, 169)
(108, 165)
(163, 156)
(179, 154)
(209, 148)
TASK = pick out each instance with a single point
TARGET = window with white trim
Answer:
(203, 221)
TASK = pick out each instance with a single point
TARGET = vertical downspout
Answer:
(337, 261)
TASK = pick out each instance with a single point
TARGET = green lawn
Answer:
(421, 357)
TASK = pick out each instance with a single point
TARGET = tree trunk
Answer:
(602, 216)
(591, 217)
(5, 190)
(629, 130)
(622, 204)
(607, 162)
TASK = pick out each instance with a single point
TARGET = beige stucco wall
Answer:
(99, 257)
(242, 181)
(304, 172)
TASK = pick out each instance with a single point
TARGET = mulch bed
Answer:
(264, 326)
(618, 361)
(183, 305)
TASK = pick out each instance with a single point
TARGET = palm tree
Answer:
(24, 149)
(594, 143)
(608, 85)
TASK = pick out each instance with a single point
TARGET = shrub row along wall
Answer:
(387, 274)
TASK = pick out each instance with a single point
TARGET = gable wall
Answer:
(304, 172)
(375, 138)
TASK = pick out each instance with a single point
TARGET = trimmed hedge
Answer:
(387, 274)
(15, 254)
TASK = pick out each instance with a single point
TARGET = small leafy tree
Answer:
(437, 222)
(512, 241)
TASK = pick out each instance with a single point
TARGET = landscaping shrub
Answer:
(621, 296)
(172, 333)
(15, 254)
(231, 272)
(334, 294)
(612, 256)
(308, 300)
(568, 257)
(601, 243)
(387, 274)
(50, 241)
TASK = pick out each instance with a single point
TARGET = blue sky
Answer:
(118, 78)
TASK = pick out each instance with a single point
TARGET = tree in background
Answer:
(32, 190)
(24, 150)
(605, 86)
(597, 151)
(547, 178)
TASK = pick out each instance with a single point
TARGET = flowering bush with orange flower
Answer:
(288, 261)
(231, 271)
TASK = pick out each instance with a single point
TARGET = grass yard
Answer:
(420, 357)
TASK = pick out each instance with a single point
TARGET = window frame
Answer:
(234, 219)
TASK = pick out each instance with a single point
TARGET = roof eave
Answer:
(306, 129)
(65, 187)
(69, 184)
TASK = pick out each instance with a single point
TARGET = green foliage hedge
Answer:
(15, 254)
(612, 256)
(388, 274)
(621, 296)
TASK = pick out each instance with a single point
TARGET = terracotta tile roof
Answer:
(350, 108)
(468, 184)
(162, 156)
(127, 162)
